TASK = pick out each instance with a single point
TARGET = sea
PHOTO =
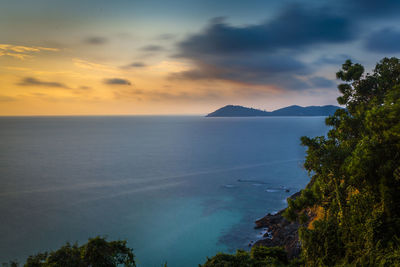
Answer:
(178, 189)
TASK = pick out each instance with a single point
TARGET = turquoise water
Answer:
(178, 189)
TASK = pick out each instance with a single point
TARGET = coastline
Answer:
(279, 232)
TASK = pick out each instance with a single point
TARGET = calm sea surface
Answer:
(178, 189)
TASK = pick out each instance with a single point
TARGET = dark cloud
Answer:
(152, 48)
(253, 69)
(370, 9)
(96, 40)
(294, 28)
(261, 69)
(117, 81)
(135, 65)
(30, 81)
(269, 52)
(386, 40)
(264, 53)
(84, 87)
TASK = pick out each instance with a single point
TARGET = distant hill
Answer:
(239, 111)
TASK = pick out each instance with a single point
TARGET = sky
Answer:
(184, 57)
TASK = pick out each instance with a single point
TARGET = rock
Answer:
(280, 232)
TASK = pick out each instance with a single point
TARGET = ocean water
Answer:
(177, 188)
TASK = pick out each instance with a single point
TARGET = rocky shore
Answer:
(280, 232)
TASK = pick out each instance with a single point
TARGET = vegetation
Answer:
(355, 179)
(96, 252)
(356, 174)
(258, 256)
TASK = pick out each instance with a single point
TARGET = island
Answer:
(240, 111)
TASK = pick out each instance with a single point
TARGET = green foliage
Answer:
(355, 173)
(259, 256)
(96, 252)
(322, 251)
(241, 258)
(261, 253)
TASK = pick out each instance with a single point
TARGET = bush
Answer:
(96, 252)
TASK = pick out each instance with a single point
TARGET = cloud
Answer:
(96, 40)
(251, 69)
(385, 40)
(321, 82)
(153, 48)
(270, 52)
(264, 53)
(31, 81)
(14, 55)
(92, 66)
(135, 65)
(370, 8)
(22, 52)
(162, 95)
(22, 49)
(117, 81)
(295, 27)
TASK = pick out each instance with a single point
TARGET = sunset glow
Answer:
(98, 57)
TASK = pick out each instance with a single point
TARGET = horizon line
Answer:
(155, 114)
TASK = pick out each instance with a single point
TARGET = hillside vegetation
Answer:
(354, 190)
(355, 174)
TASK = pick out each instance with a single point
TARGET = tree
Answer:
(259, 256)
(355, 173)
(96, 252)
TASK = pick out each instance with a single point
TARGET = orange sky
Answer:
(181, 57)
(53, 81)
